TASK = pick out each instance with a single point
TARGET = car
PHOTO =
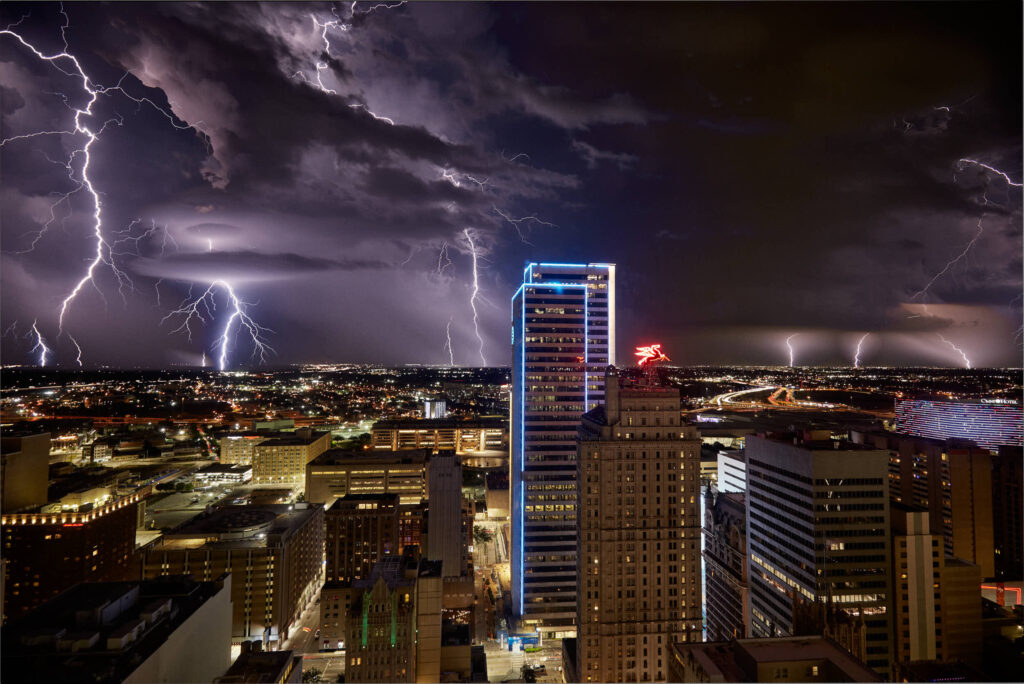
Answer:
(540, 669)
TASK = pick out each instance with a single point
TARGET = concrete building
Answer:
(239, 448)
(337, 473)
(445, 521)
(950, 479)
(361, 529)
(787, 659)
(726, 589)
(173, 629)
(989, 423)
(283, 459)
(638, 560)
(47, 552)
(1007, 513)
(219, 473)
(395, 618)
(24, 470)
(256, 666)
(936, 600)
(275, 553)
(563, 338)
(818, 531)
(461, 435)
(732, 470)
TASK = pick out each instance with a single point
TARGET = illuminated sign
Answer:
(650, 354)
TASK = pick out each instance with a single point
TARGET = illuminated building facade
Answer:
(274, 553)
(639, 567)
(563, 338)
(989, 425)
(24, 470)
(395, 623)
(436, 434)
(238, 449)
(337, 473)
(818, 531)
(283, 459)
(46, 553)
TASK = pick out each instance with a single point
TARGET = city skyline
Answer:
(365, 182)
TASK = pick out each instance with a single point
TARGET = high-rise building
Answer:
(171, 629)
(24, 470)
(47, 552)
(283, 459)
(732, 470)
(1007, 513)
(275, 554)
(936, 599)
(639, 563)
(563, 337)
(818, 532)
(445, 527)
(337, 472)
(990, 425)
(727, 601)
(951, 479)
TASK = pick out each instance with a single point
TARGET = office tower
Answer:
(792, 659)
(1007, 511)
(283, 459)
(563, 337)
(732, 470)
(337, 472)
(727, 601)
(169, 630)
(24, 470)
(274, 552)
(818, 532)
(639, 582)
(953, 481)
(936, 599)
(435, 408)
(256, 666)
(395, 623)
(445, 529)
(990, 425)
(47, 552)
(463, 435)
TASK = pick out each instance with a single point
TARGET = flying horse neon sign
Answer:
(650, 354)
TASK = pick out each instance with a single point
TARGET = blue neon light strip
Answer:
(522, 455)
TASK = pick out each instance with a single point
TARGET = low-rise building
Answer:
(338, 472)
(256, 666)
(218, 473)
(274, 552)
(461, 435)
(171, 629)
(283, 459)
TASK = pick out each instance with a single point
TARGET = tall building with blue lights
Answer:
(563, 339)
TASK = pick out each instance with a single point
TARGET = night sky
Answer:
(756, 171)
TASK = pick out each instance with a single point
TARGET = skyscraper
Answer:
(563, 338)
(639, 534)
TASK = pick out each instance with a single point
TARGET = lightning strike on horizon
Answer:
(856, 354)
(40, 345)
(476, 291)
(790, 347)
(68, 64)
(967, 361)
(11, 330)
(206, 302)
(448, 341)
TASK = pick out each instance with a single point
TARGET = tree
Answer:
(312, 675)
(481, 535)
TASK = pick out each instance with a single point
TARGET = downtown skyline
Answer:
(365, 182)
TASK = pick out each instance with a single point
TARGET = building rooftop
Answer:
(226, 468)
(737, 661)
(348, 456)
(298, 438)
(351, 500)
(492, 422)
(100, 632)
(254, 667)
(241, 525)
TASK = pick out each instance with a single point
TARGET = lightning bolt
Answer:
(790, 347)
(476, 291)
(513, 158)
(444, 261)
(1009, 181)
(515, 223)
(448, 341)
(68, 64)
(967, 361)
(203, 308)
(951, 263)
(856, 354)
(40, 345)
